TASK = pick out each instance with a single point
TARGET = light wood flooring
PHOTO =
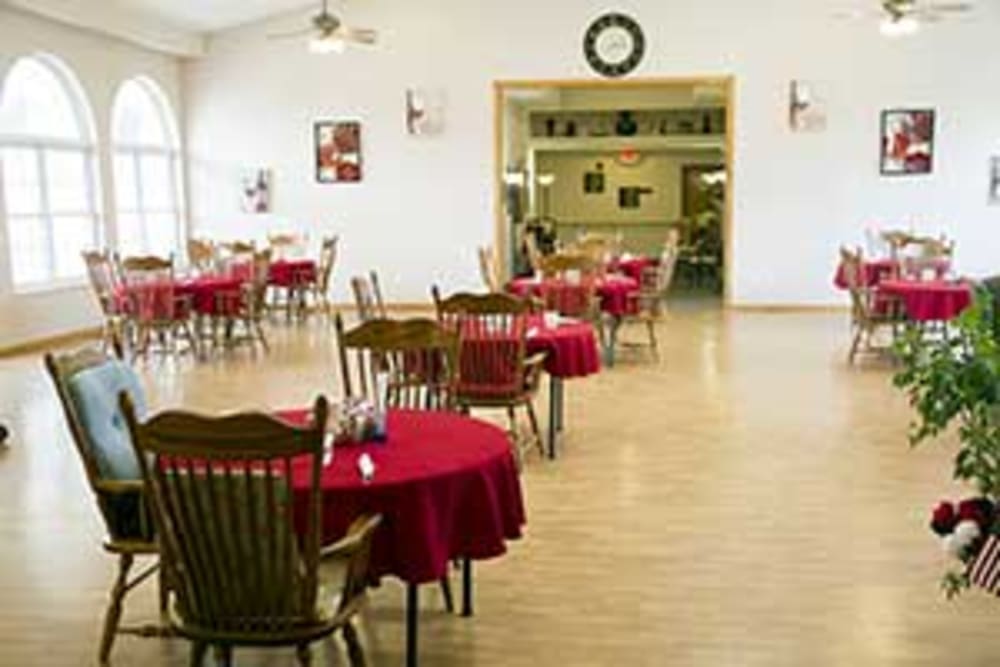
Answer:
(748, 500)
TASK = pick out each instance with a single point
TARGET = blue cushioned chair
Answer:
(89, 383)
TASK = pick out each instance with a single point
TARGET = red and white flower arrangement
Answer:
(963, 529)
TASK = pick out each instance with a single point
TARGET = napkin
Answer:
(366, 467)
(532, 332)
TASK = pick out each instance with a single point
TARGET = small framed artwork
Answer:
(995, 180)
(255, 188)
(338, 151)
(907, 142)
(593, 180)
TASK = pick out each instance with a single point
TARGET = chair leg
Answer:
(354, 649)
(303, 654)
(198, 650)
(223, 655)
(651, 328)
(114, 612)
(536, 432)
(449, 601)
(854, 345)
(164, 594)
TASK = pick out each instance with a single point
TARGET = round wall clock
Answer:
(614, 45)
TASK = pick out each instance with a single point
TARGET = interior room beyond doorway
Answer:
(628, 161)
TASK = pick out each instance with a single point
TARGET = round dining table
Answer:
(571, 351)
(633, 267)
(446, 485)
(617, 296)
(874, 271)
(929, 300)
(292, 272)
(204, 291)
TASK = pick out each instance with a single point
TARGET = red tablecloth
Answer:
(872, 272)
(616, 292)
(291, 272)
(204, 290)
(929, 300)
(632, 267)
(571, 348)
(876, 270)
(446, 486)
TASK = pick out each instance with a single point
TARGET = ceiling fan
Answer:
(330, 34)
(905, 17)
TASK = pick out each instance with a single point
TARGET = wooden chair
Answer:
(286, 245)
(570, 287)
(419, 358)
(929, 257)
(201, 255)
(654, 285)
(248, 306)
(595, 247)
(494, 370)
(488, 269)
(239, 545)
(368, 297)
(107, 290)
(154, 307)
(112, 473)
(532, 252)
(324, 271)
(870, 311)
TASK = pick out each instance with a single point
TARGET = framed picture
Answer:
(907, 142)
(995, 180)
(255, 190)
(338, 151)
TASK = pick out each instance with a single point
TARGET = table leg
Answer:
(412, 609)
(466, 587)
(611, 340)
(561, 405)
(553, 418)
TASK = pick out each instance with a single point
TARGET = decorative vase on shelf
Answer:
(626, 125)
(550, 127)
(570, 128)
(706, 123)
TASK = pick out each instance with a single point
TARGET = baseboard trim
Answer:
(80, 336)
(787, 308)
(38, 345)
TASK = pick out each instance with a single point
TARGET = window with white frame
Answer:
(146, 170)
(49, 179)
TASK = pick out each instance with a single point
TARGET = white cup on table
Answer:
(550, 318)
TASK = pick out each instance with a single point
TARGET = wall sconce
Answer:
(414, 111)
(799, 102)
(546, 180)
(424, 111)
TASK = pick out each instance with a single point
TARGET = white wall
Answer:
(427, 202)
(100, 64)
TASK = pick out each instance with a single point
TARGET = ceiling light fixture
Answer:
(326, 44)
(900, 26)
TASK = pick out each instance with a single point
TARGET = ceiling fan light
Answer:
(899, 27)
(326, 44)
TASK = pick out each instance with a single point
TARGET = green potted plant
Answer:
(954, 379)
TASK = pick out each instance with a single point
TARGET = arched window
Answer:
(49, 180)
(146, 169)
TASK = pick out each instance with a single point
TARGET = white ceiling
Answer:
(213, 15)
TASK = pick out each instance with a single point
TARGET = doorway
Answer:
(629, 160)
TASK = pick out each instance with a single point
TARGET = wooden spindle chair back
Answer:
(327, 260)
(201, 255)
(102, 278)
(149, 283)
(418, 356)
(492, 334)
(240, 545)
(488, 269)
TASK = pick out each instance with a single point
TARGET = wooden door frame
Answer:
(501, 240)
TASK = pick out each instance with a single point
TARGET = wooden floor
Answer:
(748, 500)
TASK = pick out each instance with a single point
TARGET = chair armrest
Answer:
(533, 369)
(120, 486)
(358, 536)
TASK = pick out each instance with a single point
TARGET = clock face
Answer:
(614, 45)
